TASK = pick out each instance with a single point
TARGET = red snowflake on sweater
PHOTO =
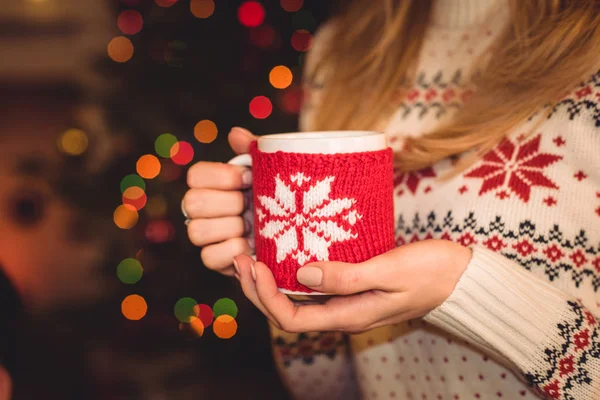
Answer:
(413, 178)
(516, 166)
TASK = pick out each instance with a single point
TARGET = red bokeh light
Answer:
(261, 107)
(182, 153)
(251, 14)
(165, 3)
(290, 101)
(263, 36)
(302, 40)
(292, 5)
(130, 22)
(205, 313)
(160, 231)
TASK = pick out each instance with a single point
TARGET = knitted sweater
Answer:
(523, 321)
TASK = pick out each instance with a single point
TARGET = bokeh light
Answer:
(205, 131)
(73, 142)
(291, 5)
(163, 144)
(165, 3)
(302, 40)
(120, 49)
(130, 271)
(156, 206)
(261, 107)
(125, 216)
(205, 313)
(251, 14)
(160, 231)
(132, 180)
(130, 22)
(303, 19)
(281, 77)
(225, 327)
(134, 307)
(182, 153)
(148, 166)
(170, 171)
(135, 197)
(194, 328)
(225, 306)
(291, 100)
(263, 36)
(184, 309)
(202, 8)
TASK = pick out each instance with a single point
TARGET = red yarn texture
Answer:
(318, 207)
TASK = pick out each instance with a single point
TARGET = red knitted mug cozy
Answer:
(320, 207)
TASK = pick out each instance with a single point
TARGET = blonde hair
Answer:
(547, 48)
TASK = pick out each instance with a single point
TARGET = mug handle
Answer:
(245, 160)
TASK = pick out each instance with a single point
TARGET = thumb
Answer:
(240, 139)
(338, 277)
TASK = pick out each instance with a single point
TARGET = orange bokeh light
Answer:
(125, 216)
(202, 8)
(225, 326)
(148, 166)
(134, 307)
(205, 131)
(120, 49)
(281, 77)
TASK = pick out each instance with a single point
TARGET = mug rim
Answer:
(319, 135)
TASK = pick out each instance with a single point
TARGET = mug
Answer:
(319, 196)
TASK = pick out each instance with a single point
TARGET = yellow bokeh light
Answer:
(281, 77)
(202, 8)
(205, 131)
(195, 326)
(134, 307)
(73, 142)
(148, 166)
(120, 49)
(225, 326)
(125, 216)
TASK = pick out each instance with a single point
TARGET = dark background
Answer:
(184, 70)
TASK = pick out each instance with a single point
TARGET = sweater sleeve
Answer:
(550, 338)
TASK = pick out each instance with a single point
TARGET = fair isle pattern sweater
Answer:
(523, 321)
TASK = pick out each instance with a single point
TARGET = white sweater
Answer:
(523, 319)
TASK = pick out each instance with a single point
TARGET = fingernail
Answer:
(247, 227)
(187, 221)
(310, 276)
(251, 243)
(240, 129)
(185, 214)
(247, 177)
(237, 268)
(253, 271)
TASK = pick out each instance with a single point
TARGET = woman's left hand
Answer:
(404, 283)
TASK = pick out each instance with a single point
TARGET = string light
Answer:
(132, 180)
(225, 327)
(182, 153)
(165, 3)
(73, 142)
(130, 271)
(261, 107)
(163, 144)
(130, 22)
(135, 197)
(134, 307)
(291, 100)
(148, 166)
(125, 216)
(202, 8)
(225, 306)
(291, 5)
(302, 40)
(205, 131)
(120, 49)
(204, 313)
(263, 36)
(251, 14)
(281, 77)
(184, 309)
(159, 231)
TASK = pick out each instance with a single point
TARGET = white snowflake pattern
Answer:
(317, 219)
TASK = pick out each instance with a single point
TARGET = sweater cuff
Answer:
(502, 308)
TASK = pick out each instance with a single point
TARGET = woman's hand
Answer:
(402, 284)
(214, 205)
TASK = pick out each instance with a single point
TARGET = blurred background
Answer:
(104, 104)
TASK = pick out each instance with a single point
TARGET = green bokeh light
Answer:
(184, 309)
(163, 144)
(130, 271)
(225, 306)
(132, 180)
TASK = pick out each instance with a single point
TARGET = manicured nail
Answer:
(310, 276)
(253, 271)
(185, 214)
(247, 177)
(187, 221)
(237, 268)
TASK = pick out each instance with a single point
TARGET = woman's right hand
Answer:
(214, 205)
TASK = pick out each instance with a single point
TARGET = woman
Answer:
(493, 108)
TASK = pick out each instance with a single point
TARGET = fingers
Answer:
(218, 176)
(249, 286)
(209, 203)
(218, 256)
(206, 231)
(339, 278)
(240, 139)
